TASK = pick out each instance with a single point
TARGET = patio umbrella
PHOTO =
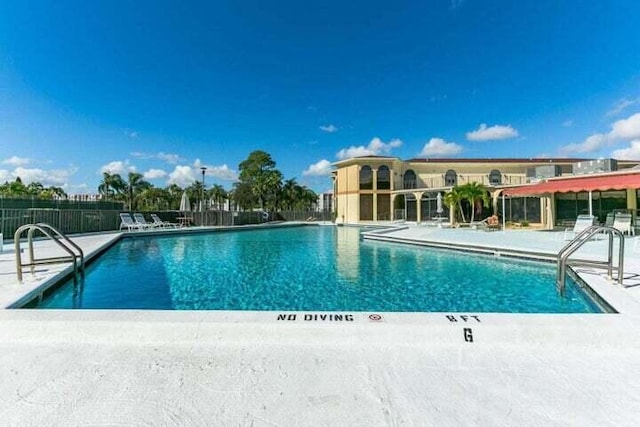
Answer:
(185, 205)
(439, 208)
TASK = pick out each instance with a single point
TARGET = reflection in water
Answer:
(348, 252)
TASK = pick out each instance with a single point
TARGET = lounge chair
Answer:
(491, 223)
(622, 222)
(127, 222)
(160, 223)
(139, 219)
(582, 223)
(608, 222)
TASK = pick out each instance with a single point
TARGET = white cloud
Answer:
(5, 176)
(165, 157)
(154, 174)
(119, 167)
(592, 143)
(222, 172)
(131, 133)
(622, 130)
(622, 105)
(438, 147)
(630, 153)
(183, 176)
(329, 128)
(628, 128)
(484, 133)
(57, 177)
(169, 157)
(375, 147)
(567, 123)
(16, 161)
(321, 168)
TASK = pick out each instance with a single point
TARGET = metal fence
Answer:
(74, 221)
(37, 203)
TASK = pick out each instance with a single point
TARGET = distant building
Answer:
(325, 201)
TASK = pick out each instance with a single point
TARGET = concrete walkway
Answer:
(93, 367)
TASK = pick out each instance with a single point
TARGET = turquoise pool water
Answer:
(310, 268)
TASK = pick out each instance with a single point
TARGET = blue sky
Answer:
(163, 87)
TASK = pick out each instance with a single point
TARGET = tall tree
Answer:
(259, 173)
(243, 196)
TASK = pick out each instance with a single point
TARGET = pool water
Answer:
(310, 268)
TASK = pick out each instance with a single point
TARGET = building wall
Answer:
(430, 175)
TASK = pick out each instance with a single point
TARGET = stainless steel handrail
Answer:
(60, 239)
(577, 242)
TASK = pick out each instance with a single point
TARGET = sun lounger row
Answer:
(138, 222)
(620, 221)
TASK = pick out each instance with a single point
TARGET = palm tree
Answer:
(288, 193)
(475, 192)
(111, 184)
(195, 192)
(174, 195)
(454, 199)
(133, 187)
(218, 194)
(266, 186)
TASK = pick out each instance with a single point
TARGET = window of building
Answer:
(409, 181)
(366, 207)
(366, 178)
(450, 178)
(384, 178)
(495, 177)
(384, 207)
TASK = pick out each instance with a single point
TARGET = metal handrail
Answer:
(60, 239)
(577, 242)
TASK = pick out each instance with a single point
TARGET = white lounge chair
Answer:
(582, 223)
(139, 219)
(622, 222)
(127, 222)
(160, 223)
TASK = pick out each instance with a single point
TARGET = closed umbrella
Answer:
(185, 205)
(439, 208)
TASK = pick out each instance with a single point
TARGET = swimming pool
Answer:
(310, 268)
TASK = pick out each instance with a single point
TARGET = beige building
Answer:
(376, 189)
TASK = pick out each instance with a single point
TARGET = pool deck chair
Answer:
(582, 222)
(622, 222)
(160, 223)
(139, 219)
(127, 222)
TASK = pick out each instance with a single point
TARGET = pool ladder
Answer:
(577, 242)
(75, 254)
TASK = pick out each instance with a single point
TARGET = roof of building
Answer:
(499, 160)
(618, 180)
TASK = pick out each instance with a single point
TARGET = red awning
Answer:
(575, 185)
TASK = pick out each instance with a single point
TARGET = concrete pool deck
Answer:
(90, 367)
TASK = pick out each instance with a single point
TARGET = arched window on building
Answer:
(366, 178)
(450, 178)
(409, 181)
(384, 178)
(495, 177)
